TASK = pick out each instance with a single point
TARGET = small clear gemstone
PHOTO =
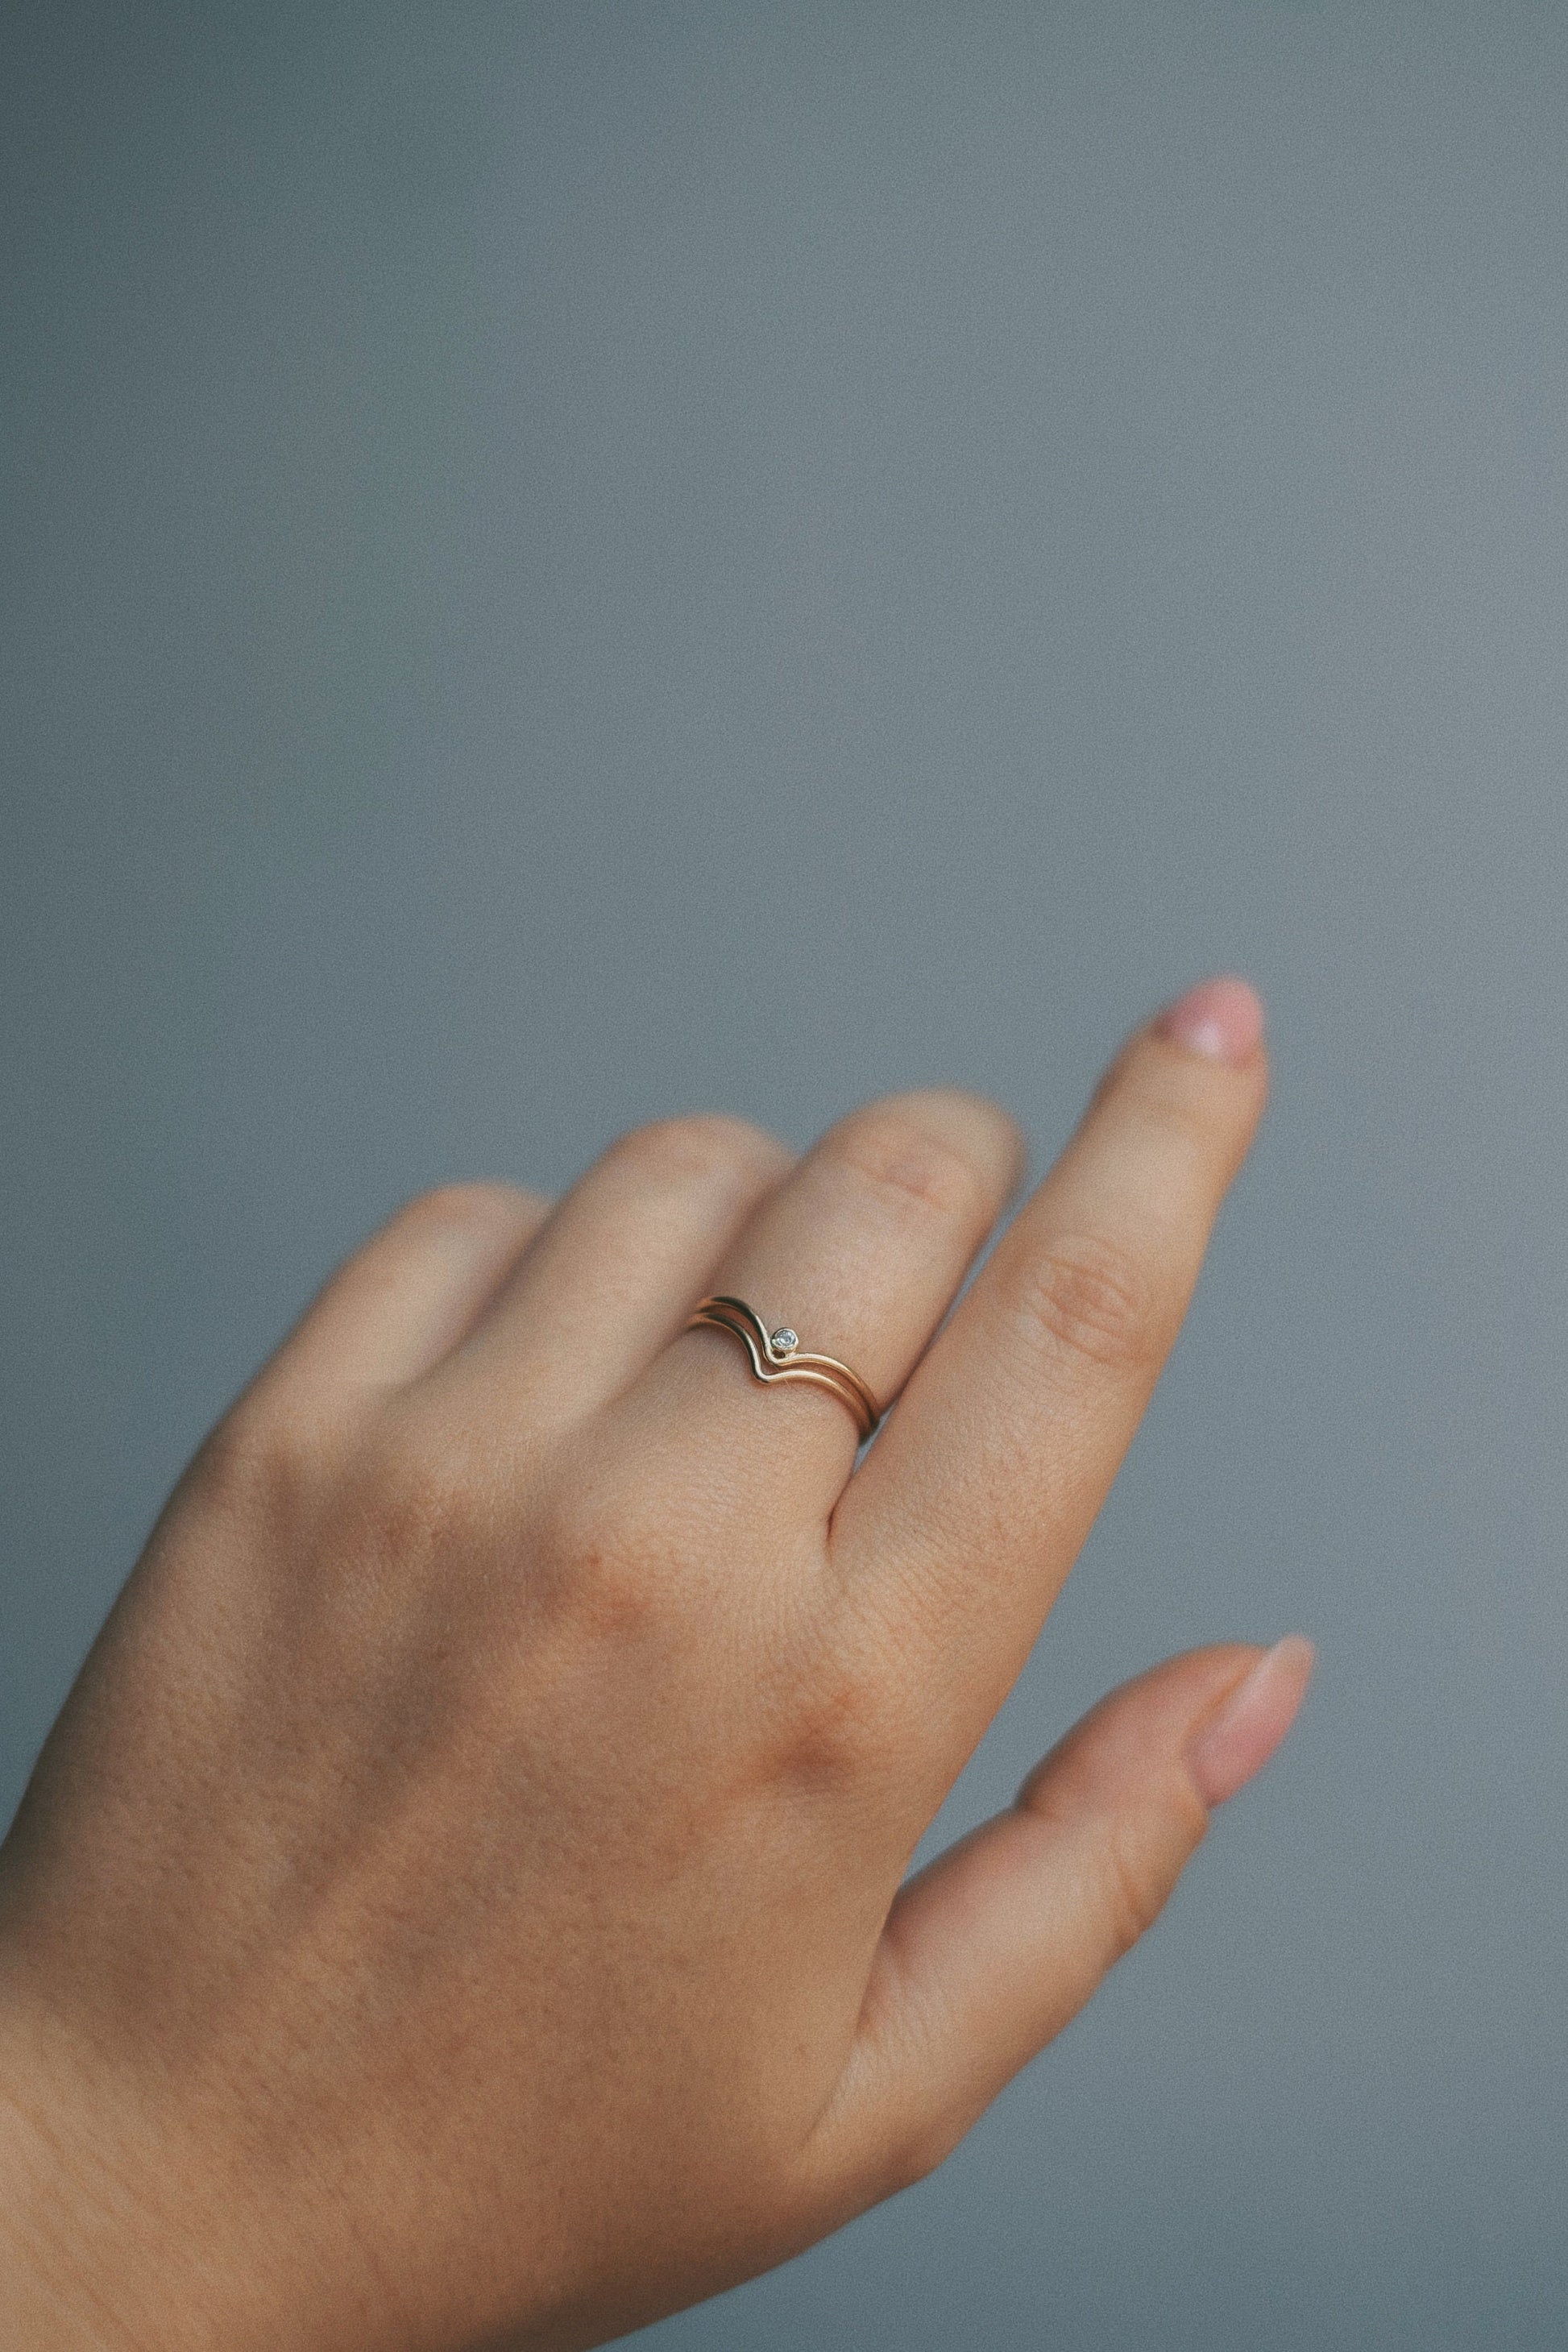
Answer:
(784, 1341)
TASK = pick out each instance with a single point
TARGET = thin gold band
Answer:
(777, 1355)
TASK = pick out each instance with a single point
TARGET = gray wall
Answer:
(565, 562)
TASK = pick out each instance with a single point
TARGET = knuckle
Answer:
(847, 1721)
(609, 1558)
(1090, 1299)
(428, 1483)
(898, 1160)
(701, 1145)
(1133, 1888)
(268, 1457)
(428, 1499)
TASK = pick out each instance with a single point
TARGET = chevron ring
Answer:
(778, 1355)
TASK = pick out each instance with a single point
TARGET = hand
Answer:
(462, 1901)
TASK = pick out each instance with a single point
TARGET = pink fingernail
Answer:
(1221, 1019)
(1236, 1743)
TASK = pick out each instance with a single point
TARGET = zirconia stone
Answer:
(784, 1341)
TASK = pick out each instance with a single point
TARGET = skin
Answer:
(464, 1901)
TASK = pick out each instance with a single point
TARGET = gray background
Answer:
(566, 561)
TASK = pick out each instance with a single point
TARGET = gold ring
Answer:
(777, 1355)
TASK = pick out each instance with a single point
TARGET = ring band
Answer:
(777, 1355)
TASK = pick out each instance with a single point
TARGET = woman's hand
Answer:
(462, 1902)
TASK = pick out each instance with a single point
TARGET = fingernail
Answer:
(1221, 1019)
(1235, 1744)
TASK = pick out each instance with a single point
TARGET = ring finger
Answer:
(860, 1250)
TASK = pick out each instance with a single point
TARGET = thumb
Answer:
(988, 1953)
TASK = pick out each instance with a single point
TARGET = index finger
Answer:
(957, 1532)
